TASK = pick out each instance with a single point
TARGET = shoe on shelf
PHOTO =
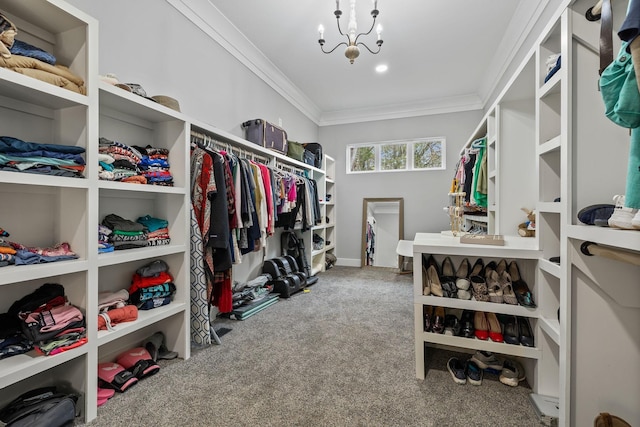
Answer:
(474, 373)
(495, 331)
(428, 318)
(501, 266)
(635, 222)
(456, 369)
(448, 279)
(512, 373)
(437, 325)
(462, 277)
(431, 261)
(478, 268)
(464, 294)
(493, 285)
(481, 325)
(523, 294)
(447, 268)
(467, 329)
(486, 360)
(480, 292)
(622, 216)
(510, 333)
(596, 214)
(524, 332)
(452, 325)
(491, 266)
(433, 281)
(508, 295)
(426, 285)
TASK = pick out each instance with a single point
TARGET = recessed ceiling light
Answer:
(381, 68)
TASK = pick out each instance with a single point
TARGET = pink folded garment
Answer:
(55, 319)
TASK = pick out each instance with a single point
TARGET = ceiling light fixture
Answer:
(352, 51)
(382, 68)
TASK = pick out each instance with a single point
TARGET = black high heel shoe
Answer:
(520, 288)
(524, 332)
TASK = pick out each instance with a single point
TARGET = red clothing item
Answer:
(138, 281)
(128, 313)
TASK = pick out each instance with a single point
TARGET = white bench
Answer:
(405, 250)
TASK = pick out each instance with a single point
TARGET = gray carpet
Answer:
(339, 355)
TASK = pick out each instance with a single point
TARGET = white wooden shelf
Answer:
(549, 207)
(476, 344)
(552, 86)
(473, 305)
(145, 318)
(550, 146)
(142, 188)
(36, 92)
(113, 98)
(478, 218)
(551, 327)
(20, 273)
(34, 179)
(22, 366)
(128, 255)
(550, 267)
(493, 174)
(623, 239)
(515, 247)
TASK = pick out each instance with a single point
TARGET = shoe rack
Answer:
(555, 135)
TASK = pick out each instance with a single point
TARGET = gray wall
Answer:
(424, 193)
(149, 42)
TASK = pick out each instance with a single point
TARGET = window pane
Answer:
(427, 155)
(362, 158)
(393, 157)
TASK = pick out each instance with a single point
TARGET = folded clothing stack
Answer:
(45, 159)
(140, 165)
(7, 253)
(125, 234)
(152, 286)
(157, 230)
(154, 165)
(103, 239)
(113, 308)
(48, 320)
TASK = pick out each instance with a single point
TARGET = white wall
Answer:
(149, 42)
(386, 240)
(424, 193)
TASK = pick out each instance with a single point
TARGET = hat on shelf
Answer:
(111, 79)
(167, 101)
(134, 88)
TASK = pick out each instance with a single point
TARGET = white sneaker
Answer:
(622, 216)
(635, 222)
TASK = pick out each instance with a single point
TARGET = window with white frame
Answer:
(397, 156)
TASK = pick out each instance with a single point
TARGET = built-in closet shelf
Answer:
(145, 318)
(317, 227)
(331, 224)
(492, 141)
(328, 248)
(476, 344)
(492, 174)
(551, 145)
(316, 269)
(127, 255)
(551, 87)
(22, 178)
(516, 310)
(515, 247)
(624, 239)
(17, 368)
(329, 203)
(21, 273)
(551, 327)
(19, 87)
(549, 207)
(318, 252)
(550, 267)
(330, 181)
(478, 218)
(143, 188)
(127, 103)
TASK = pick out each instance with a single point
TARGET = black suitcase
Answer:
(266, 135)
(316, 149)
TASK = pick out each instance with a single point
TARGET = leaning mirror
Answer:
(382, 228)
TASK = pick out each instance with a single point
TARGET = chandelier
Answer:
(352, 51)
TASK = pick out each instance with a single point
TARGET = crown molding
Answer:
(400, 111)
(214, 24)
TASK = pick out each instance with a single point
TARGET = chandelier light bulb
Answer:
(379, 31)
(321, 31)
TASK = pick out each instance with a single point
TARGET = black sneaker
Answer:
(474, 373)
(596, 214)
(456, 369)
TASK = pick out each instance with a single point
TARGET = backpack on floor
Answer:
(41, 407)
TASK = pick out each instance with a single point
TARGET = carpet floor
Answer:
(341, 354)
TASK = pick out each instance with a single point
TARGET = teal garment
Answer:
(619, 91)
(153, 224)
(480, 198)
(632, 193)
(24, 163)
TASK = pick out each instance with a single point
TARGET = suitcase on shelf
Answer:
(309, 158)
(266, 135)
(295, 150)
(316, 149)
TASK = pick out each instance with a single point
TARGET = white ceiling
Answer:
(443, 55)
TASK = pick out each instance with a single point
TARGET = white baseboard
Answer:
(348, 262)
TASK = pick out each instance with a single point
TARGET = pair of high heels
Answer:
(517, 330)
(520, 288)
(437, 283)
(434, 319)
(487, 326)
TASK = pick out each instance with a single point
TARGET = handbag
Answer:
(619, 90)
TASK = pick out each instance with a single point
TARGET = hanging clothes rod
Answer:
(289, 168)
(590, 249)
(225, 146)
